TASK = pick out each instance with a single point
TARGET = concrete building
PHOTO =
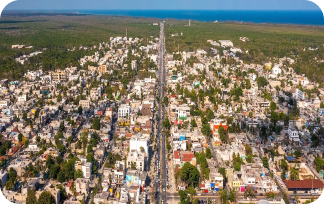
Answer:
(84, 103)
(138, 159)
(123, 111)
(136, 142)
(59, 76)
(84, 166)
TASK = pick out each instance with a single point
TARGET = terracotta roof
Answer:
(176, 155)
(216, 127)
(187, 157)
(69, 184)
(307, 183)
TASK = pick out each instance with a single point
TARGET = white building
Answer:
(136, 142)
(4, 104)
(22, 98)
(123, 111)
(226, 43)
(293, 134)
(136, 158)
(84, 166)
(299, 95)
(276, 70)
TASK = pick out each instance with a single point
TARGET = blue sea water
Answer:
(310, 17)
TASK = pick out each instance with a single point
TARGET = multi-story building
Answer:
(137, 143)
(293, 134)
(102, 69)
(84, 166)
(84, 103)
(59, 76)
(137, 159)
(123, 111)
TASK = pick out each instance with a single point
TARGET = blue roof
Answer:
(289, 158)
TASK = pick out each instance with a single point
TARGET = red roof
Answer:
(176, 155)
(202, 185)
(302, 184)
(176, 122)
(187, 157)
(3, 157)
(216, 127)
(69, 184)
(129, 135)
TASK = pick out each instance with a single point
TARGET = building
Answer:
(123, 111)
(3, 176)
(102, 69)
(84, 104)
(134, 65)
(137, 159)
(4, 104)
(59, 76)
(137, 143)
(226, 43)
(82, 185)
(84, 166)
(293, 134)
(304, 185)
(299, 95)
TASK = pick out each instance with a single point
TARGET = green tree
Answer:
(294, 175)
(205, 130)
(54, 171)
(223, 196)
(78, 174)
(80, 109)
(248, 150)
(61, 177)
(193, 123)
(265, 162)
(166, 123)
(59, 98)
(232, 195)
(222, 134)
(96, 124)
(208, 153)
(20, 137)
(31, 197)
(262, 82)
(46, 198)
(26, 143)
(63, 195)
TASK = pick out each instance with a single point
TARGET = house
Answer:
(137, 159)
(137, 143)
(293, 134)
(84, 166)
(82, 185)
(226, 43)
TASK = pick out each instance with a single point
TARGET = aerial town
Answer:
(140, 125)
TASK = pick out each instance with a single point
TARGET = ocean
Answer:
(278, 17)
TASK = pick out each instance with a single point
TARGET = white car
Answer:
(163, 189)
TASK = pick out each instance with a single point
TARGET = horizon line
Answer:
(162, 10)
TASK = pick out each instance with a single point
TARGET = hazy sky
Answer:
(162, 4)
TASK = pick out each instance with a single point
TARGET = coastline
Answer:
(266, 17)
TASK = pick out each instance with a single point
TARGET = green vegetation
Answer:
(266, 42)
(190, 174)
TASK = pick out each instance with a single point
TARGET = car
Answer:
(261, 194)
(163, 189)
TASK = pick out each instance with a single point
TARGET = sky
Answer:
(162, 5)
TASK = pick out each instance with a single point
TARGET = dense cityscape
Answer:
(133, 123)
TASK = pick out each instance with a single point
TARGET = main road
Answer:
(161, 194)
